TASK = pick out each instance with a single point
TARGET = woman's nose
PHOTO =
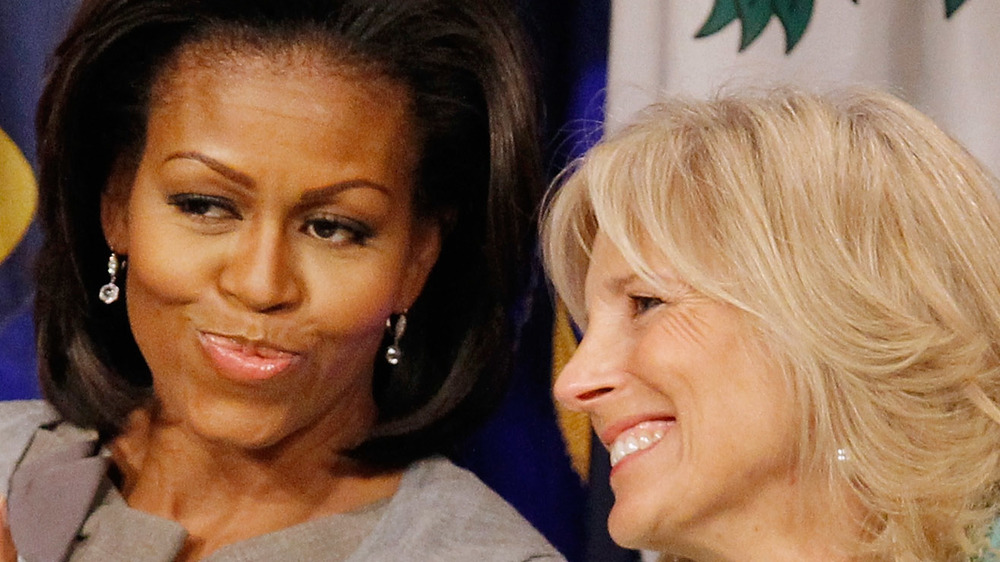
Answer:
(260, 271)
(594, 373)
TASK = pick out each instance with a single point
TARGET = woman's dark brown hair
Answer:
(467, 70)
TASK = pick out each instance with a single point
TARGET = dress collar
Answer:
(52, 490)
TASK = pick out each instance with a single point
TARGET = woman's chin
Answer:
(256, 427)
(251, 435)
(629, 531)
(233, 424)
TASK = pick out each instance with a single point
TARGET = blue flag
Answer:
(29, 30)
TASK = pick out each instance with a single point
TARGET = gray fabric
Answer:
(329, 538)
(444, 513)
(440, 512)
(115, 532)
(52, 490)
(18, 422)
(154, 539)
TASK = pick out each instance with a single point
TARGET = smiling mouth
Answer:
(242, 361)
(638, 438)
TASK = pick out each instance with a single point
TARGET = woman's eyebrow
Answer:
(617, 285)
(215, 165)
(313, 196)
(326, 192)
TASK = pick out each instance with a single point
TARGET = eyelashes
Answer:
(644, 303)
(211, 210)
(204, 206)
(338, 230)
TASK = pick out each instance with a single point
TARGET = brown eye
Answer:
(205, 206)
(338, 230)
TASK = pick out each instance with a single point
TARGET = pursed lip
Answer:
(244, 360)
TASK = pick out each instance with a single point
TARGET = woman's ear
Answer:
(424, 251)
(114, 209)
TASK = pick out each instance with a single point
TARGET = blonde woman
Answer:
(791, 309)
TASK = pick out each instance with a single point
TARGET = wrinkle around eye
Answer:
(687, 322)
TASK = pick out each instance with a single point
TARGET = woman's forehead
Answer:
(235, 59)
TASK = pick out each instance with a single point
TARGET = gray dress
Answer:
(440, 512)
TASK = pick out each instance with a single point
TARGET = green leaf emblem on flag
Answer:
(754, 15)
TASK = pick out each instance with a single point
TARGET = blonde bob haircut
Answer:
(863, 245)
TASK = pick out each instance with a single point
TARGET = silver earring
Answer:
(393, 353)
(843, 455)
(109, 293)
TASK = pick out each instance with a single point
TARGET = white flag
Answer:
(948, 68)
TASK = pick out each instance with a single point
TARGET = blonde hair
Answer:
(863, 245)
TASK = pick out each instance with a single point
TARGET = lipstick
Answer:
(245, 362)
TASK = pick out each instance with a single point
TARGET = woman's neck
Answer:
(223, 495)
(797, 523)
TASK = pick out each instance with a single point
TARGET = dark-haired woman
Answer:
(273, 285)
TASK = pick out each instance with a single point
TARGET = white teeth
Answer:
(642, 436)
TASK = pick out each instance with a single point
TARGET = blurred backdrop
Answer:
(600, 58)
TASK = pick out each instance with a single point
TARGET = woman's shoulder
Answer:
(446, 513)
(20, 418)
(18, 422)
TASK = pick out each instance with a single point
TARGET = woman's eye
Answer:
(204, 206)
(338, 231)
(643, 303)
